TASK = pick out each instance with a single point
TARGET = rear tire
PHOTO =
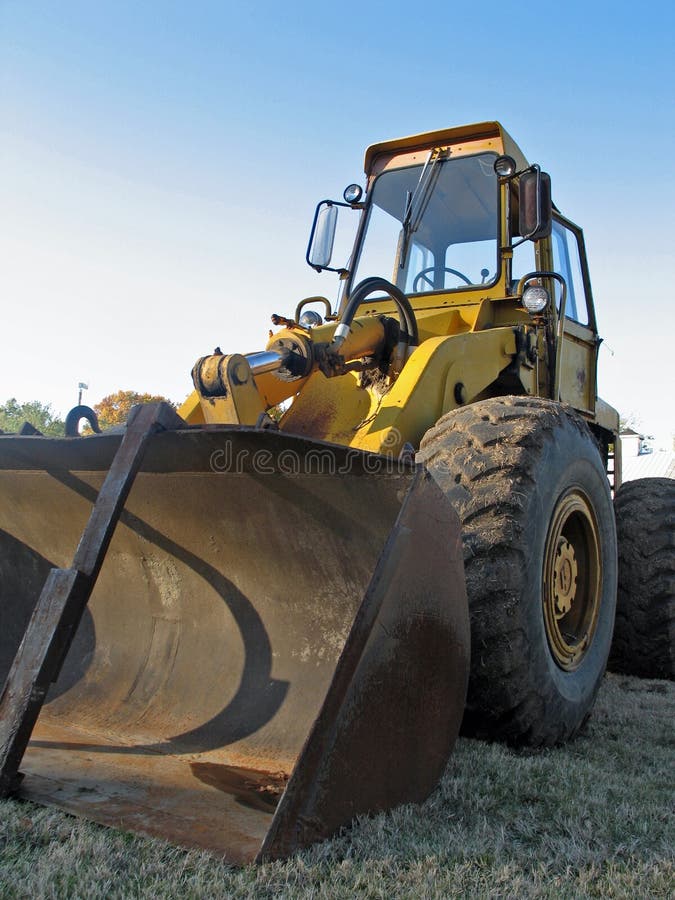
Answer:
(644, 635)
(528, 483)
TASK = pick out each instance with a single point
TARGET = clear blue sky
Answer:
(160, 163)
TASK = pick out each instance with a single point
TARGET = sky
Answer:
(160, 163)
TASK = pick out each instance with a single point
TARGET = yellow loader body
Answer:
(277, 635)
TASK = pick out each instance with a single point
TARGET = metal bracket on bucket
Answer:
(65, 595)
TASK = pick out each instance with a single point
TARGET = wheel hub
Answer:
(572, 580)
(564, 577)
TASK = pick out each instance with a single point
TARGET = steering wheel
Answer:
(424, 276)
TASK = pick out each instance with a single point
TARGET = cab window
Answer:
(524, 262)
(434, 227)
(567, 262)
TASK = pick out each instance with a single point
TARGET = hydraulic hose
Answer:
(408, 322)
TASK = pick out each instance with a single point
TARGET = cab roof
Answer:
(481, 131)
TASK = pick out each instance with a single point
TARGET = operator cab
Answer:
(434, 226)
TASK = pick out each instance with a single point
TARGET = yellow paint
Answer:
(425, 389)
(191, 410)
(468, 349)
(228, 393)
(340, 410)
(463, 139)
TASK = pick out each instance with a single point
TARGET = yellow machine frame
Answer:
(472, 345)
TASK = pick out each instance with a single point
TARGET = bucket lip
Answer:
(255, 449)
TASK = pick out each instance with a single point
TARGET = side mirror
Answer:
(534, 204)
(322, 238)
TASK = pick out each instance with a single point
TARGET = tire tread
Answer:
(485, 457)
(644, 634)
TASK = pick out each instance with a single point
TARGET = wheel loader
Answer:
(239, 626)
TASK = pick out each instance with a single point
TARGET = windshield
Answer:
(433, 227)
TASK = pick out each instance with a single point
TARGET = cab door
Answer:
(578, 366)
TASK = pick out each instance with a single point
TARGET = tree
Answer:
(40, 415)
(114, 409)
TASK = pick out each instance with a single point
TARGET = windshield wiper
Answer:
(417, 201)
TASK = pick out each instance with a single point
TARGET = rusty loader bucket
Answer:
(277, 639)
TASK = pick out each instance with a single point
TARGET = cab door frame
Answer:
(580, 341)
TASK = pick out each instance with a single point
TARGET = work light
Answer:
(352, 193)
(535, 298)
(505, 166)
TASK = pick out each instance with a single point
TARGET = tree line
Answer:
(111, 410)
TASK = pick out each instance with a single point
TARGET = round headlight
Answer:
(353, 193)
(310, 319)
(535, 298)
(505, 166)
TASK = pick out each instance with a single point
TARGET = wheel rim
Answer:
(572, 580)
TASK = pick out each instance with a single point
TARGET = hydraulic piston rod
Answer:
(264, 362)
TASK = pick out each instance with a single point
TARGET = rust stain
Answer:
(315, 421)
(251, 787)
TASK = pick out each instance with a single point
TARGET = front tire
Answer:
(539, 540)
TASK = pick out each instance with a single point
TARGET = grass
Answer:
(592, 819)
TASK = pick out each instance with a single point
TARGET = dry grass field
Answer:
(592, 819)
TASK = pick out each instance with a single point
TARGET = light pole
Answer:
(81, 387)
